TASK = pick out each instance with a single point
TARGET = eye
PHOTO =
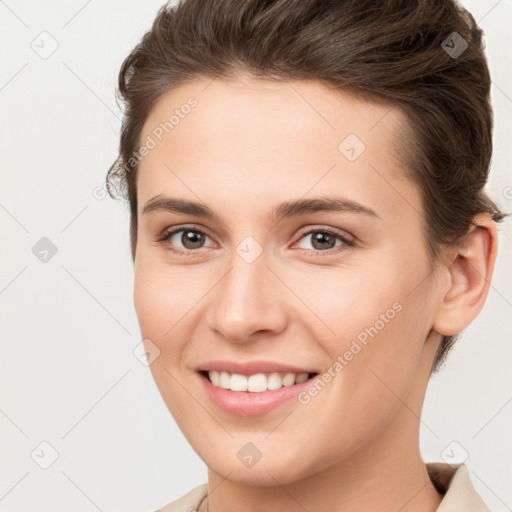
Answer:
(190, 238)
(186, 240)
(325, 240)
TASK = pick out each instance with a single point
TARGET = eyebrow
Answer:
(284, 210)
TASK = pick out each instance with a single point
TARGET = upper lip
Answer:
(251, 367)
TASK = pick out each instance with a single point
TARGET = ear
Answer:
(469, 277)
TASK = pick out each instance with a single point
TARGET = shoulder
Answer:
(188, 502)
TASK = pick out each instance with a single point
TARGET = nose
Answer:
(249, 299)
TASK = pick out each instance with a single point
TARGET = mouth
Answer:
(255, 394)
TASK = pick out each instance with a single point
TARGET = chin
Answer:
(269, 470)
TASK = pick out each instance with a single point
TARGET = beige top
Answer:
(453, 483)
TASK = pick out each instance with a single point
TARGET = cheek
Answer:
(369, 321)
(344, 301)
(167, 302)
(161, 312)
(161, 298)
(150, 303)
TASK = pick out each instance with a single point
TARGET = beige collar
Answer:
(456, 485)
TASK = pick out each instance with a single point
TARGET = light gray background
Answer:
(68, 373)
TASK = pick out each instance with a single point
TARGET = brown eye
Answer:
(325, 241)
(191, 239)
(321, 240)
(183, 240)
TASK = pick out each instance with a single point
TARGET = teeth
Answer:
(301, 377)
(255, 383)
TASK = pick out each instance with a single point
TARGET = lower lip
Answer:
(246, 403)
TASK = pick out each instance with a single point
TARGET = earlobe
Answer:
(470, 273)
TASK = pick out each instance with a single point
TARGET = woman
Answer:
(310, 233)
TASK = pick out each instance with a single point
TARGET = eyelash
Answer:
(346, 242)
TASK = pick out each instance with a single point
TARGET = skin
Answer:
(248, 146)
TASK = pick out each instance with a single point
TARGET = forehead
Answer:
(268, 138)
(306, 108)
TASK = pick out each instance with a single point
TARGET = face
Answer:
(304, 255)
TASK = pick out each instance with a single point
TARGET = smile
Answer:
(257, 383)
(252, 395)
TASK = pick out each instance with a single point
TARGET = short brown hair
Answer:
(396, 51)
